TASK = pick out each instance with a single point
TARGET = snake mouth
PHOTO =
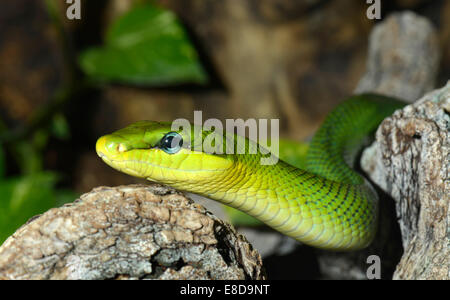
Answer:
(106, 146)
(116, 162)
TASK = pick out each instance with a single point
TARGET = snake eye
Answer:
(171, 143)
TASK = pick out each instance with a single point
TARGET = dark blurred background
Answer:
(64, 83)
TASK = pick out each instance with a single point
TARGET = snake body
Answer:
(327, 204)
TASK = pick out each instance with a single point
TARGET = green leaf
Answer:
(28, 157)
(59, 127)
(64, 196)
(24, 197)
(2, 163)
(146, 46)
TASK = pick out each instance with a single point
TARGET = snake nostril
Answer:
(121, 148)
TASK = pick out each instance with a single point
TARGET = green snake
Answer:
(326, 204)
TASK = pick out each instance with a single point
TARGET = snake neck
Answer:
(319, 212)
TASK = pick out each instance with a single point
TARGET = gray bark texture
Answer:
(412, 160)
(129, 232)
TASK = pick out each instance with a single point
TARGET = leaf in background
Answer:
(145, 46)
(2, 162)
(59, 127)
(24, 197)
(63, 196)
(27, 156)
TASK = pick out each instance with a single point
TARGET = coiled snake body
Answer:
(326, 205)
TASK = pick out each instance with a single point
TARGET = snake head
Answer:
(154, 151)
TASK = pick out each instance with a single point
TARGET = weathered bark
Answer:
(129, 232)
(412, 160)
